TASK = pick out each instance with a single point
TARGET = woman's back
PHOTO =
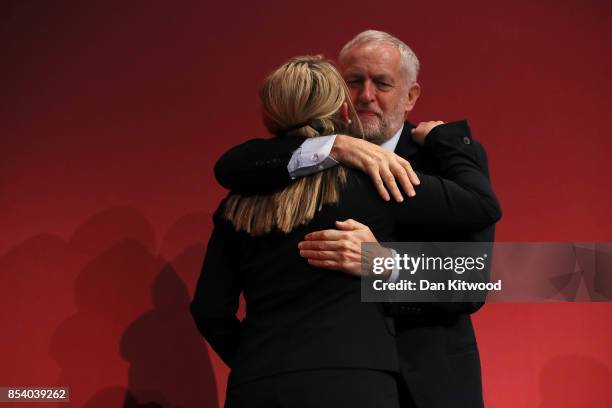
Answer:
(298, 316)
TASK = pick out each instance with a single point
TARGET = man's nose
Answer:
(366, 93)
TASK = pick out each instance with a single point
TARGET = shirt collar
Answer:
(391, 144)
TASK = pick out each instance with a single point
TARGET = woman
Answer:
(307, 339)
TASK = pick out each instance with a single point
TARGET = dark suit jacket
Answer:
(436, 343)
(300, 317)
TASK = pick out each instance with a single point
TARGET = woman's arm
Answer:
(261, 166)
(217, 293)
(461, 196)
(462, 203)
(258, 166)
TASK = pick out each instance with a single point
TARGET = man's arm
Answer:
(217, 293)
(475, 157)
(461, 198)
(260, 166)
(485, 235)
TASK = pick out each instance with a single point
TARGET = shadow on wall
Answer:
(167, 361)
(131, 341)
(564, 378)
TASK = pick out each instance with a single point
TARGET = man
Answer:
(439, 356)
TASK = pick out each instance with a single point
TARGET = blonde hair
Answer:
(303, 97)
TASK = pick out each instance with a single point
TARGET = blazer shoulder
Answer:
(219, 218)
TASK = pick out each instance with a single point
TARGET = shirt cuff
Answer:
(312, 156)
(395, 272)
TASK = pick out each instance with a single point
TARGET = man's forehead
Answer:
(373, 58)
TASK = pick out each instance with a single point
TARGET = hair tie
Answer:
(295, 127)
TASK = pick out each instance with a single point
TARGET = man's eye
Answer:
(384, 85)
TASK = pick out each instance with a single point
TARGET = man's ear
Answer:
(413, 94)
(344, 113)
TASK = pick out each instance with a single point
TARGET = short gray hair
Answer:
(409, 60)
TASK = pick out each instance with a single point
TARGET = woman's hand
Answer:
(420, 132)
(383, 166)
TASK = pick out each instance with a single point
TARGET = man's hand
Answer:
(420, 132)
(383, 166)
(341, 249)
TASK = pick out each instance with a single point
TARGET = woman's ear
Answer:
(344, 113)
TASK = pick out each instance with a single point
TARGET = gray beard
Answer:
(373, 136)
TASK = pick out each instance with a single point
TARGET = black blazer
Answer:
(300, 317)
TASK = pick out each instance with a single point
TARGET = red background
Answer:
(112, 117)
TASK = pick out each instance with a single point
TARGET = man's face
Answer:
(379, 89)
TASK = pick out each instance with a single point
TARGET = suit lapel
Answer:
(405, 145)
